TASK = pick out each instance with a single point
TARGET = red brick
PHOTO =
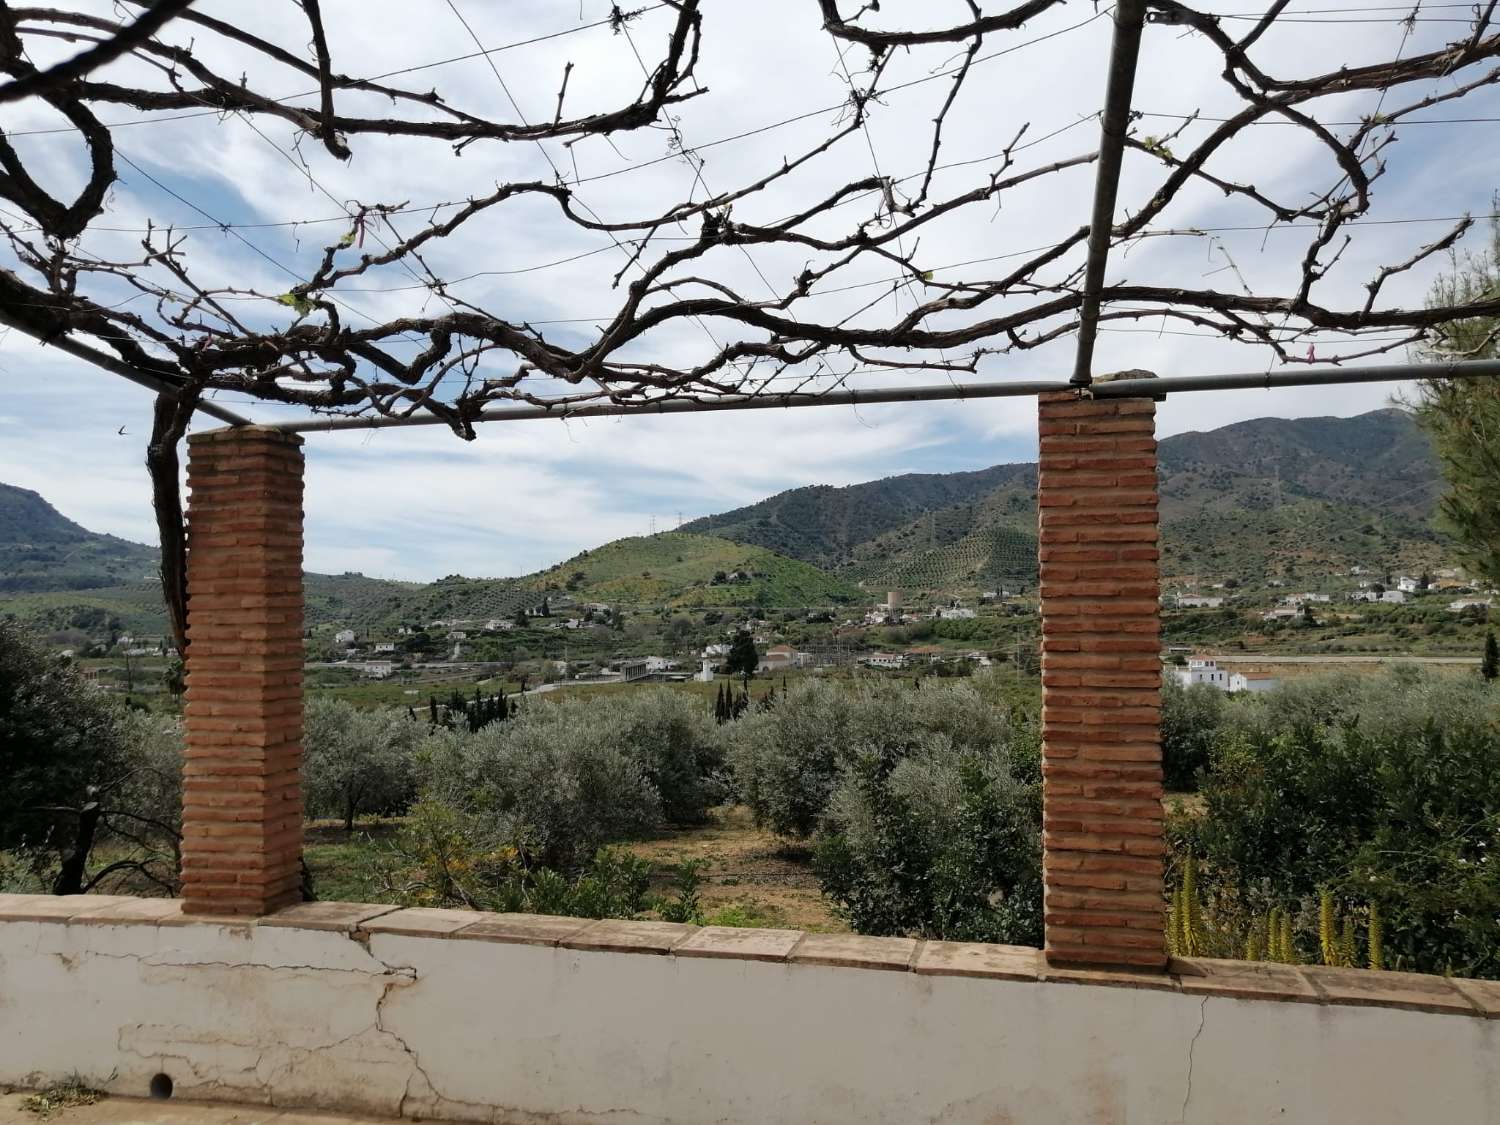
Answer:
(1101, 753)
(242, 822)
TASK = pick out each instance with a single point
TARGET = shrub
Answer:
(924, 802)
(1190, 722)
(1384, 791)
(357, 761)
(59, 738)
(787, 761)
(443, 856)
(674, 741)
(551, 783)
(936, 841)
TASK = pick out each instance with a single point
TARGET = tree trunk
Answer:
(69, 880)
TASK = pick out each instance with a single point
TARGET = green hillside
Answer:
(42, 550)
(677, 568)
(1252, 500)
(1266, 498)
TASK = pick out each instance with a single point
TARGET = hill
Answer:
(1265, 498)
(677, 568)
(42, 550)
(1262, 498)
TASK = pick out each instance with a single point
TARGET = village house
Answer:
(1281, 613)
(1406, 584)
(1253, 681)
(930, 653)
(779, 658)
(344, 637)
(1468, 603)
(1394, 597)
(891, 660)
(385, 646)
(377, 669)
(1202, 670)
(954, 613)
(1195, 601)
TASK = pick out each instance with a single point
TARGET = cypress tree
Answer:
(1489, 667)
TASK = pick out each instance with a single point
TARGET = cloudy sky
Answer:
(421, 503)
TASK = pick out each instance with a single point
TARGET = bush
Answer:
(1190, 722)
(1385, 791)
(677, 745)
(787, 761)
(924, 802)
(357, 761)
(59, 738)
(82, 776)
(937, 841)
(445, 857)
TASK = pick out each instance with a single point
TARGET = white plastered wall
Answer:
(485, 1031)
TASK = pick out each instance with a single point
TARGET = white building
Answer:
(884, 660)
(956, 613)
(780, 658)
(1406, 585)
(1468, 603)
(1194, 601)
(378, 669)
(1253, 681)
(344, 637)
(1202, 670)
(1281, 613)
(385, 646)
(1394, 597)
(706, 673)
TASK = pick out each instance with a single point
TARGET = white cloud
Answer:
(418, 503)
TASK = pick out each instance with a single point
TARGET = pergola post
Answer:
(242, 793)
(1102, 823)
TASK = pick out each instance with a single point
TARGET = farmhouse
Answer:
(1203, 670)
(1253, 681)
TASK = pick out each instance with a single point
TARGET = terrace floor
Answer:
(133, 1111)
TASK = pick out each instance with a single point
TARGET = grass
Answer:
(67, 1094)
(750, 877)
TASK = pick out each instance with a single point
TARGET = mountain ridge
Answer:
(1251, 500)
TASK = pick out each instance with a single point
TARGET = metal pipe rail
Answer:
(1112, 388)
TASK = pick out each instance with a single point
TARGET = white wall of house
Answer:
(1200, 671)
(485, 1030)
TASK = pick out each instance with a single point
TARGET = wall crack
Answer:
(1187, 1094)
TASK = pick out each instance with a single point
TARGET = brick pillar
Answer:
(242, 793)
(1102, 826)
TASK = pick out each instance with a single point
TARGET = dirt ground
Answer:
(764, 879)
(131, 1111)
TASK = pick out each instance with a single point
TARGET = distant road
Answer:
(1344, 658)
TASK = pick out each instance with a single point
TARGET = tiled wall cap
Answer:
(1067, 973)
(613, 935)
(739, 943)
(1202, 977)
(1246, 980)
(970, 959)
(1414, 991)
(422, 921)
(523, 929)
(338, 917)
(855, 951)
